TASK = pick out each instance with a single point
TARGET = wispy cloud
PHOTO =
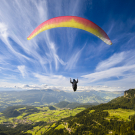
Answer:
(20, 86)
(22, 69)
(53, 80)
(115, 72)
(29, 14)
(3, 29)
(43, 59)
(74, 58)
(52, 54)
(114, 60)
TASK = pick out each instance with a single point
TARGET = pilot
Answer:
(74, 84)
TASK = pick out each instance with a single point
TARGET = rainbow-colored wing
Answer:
(74, 22)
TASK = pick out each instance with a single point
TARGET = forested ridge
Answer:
(94, 120)
(115, 117)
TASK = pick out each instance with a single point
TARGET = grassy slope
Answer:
(115, 117)
(94, 122)
(43, 119)
(120, 114)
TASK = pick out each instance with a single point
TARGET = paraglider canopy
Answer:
(74, 22)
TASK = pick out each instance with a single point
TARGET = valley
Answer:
(42, 118)
(51, 97)
(66, 118)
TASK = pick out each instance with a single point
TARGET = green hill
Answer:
(127, 101)
(21, 119)
(65, 104)
(116, 117)
(62, 104)
(14, 111)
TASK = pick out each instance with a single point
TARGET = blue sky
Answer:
(54, 56)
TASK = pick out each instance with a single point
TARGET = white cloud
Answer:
(3, 30)
(22, 69)
(116, 71)
(109, 73)
(18, 12)
(74, 58)
(117, 60)
(125, 83)
(53, 80)
(19, 86)
(43, 53)
(112, 61)
(97, 88)
(52, 54)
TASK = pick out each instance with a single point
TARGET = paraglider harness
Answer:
(74, 84)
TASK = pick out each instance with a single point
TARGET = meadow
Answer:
(49, 117)
(120, 114)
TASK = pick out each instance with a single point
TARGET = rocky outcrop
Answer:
(130, 93)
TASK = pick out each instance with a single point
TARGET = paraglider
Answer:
(74, 84)
(74, 22)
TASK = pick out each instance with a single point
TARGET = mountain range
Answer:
(117, 117)
(51, 97)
